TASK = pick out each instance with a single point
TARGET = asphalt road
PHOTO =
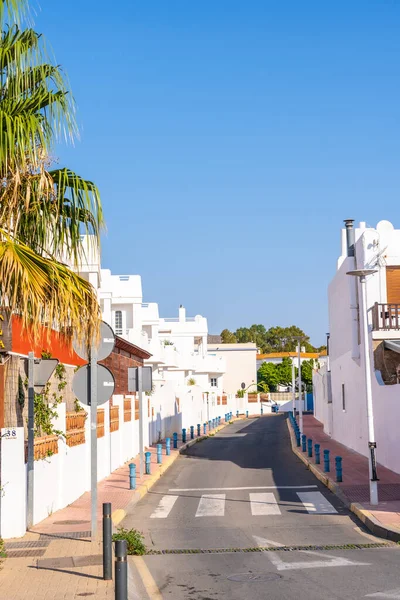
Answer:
(240, 490)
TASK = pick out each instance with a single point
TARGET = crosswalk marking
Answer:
(211, 505)
(249, 487)
(264, 504)
(164, 507)
(316, 503)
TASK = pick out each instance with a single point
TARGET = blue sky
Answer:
(230, 139)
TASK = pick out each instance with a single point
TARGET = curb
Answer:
(119, 514)
(371, 522)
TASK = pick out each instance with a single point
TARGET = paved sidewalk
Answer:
(57, 560)
(355, 485)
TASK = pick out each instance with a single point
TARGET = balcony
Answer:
(385, 321)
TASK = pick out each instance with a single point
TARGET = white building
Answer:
(241, 365)
(178, 345)
(339, 387)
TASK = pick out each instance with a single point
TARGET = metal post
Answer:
(339, 472)
(107, 541)
(121, 570)
(192, 432)
(92, 396)
(141, 443)
(373, 483)
(31, 434)
(198, 428)
(294, 389)
(148, 463)
(326, 461)
(183, 436)
(132, 476)
(317, 448)
(309, 447)
(159, 453)
(300, 392)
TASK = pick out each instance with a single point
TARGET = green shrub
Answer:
(3, 552)
(134, 540)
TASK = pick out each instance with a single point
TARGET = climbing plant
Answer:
(21, 392)
(45, 405)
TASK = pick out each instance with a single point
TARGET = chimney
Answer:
(349, 236)
(182, 314)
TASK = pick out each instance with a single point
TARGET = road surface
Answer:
(242, 490)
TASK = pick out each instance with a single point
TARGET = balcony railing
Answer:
(385, 317)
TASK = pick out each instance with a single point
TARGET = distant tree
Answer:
(268, 374)
(307, 367)
(228, 337)
(284, 370)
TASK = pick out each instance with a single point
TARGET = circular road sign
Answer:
(105, 384)
(105, 344)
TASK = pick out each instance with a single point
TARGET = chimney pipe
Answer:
(349, 236)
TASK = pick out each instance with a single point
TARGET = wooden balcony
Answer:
(386, 317)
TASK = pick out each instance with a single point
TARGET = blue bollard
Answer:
(326, 461)
(175, 438)
(219, 421)
(168, 446)
(304, 442)
(198, 428)
(317, 448)
(132, 476)
(183, 436)
(262, 411)
(237, 414)
(247, 414)
(148, 462)
(213, 423)
(298, 440)
(192, 432)
(159, 453)
(205, 428)
(339, 472)
(309, 446)
(209, 426)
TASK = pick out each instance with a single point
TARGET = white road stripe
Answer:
(164, 507)
(264, 504)
(211, 505)
(316, 503)
(250, 487)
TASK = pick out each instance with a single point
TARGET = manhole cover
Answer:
(249, 577)
(71, 522)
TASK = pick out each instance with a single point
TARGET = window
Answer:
(118, 322)
(343, 398)
(213, 382)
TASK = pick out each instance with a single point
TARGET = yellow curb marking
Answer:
(147, 579)
(117, 516)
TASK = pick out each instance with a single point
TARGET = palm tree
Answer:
(43, 211)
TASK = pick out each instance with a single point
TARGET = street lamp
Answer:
(300, 338)
(373, 479)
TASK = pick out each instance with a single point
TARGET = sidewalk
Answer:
(384, 519)
(57, 560)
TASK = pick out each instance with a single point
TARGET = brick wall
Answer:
(119, 362)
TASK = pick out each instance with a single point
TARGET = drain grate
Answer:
(32, 544)
(25, 553)
(76, 535)
(272, 549)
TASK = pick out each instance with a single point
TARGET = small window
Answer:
(343, 398)
(118, 322)
(213, 381)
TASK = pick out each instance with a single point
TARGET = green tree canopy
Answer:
(228, 337)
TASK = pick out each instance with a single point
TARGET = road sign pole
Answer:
(31, 433)
(140, 392)
(92, 396)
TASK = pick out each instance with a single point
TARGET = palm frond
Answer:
(45, 291)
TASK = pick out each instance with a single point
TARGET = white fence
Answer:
(63, 477)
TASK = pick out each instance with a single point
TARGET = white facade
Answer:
(241, 365)
(339, 387)
(178, 345)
